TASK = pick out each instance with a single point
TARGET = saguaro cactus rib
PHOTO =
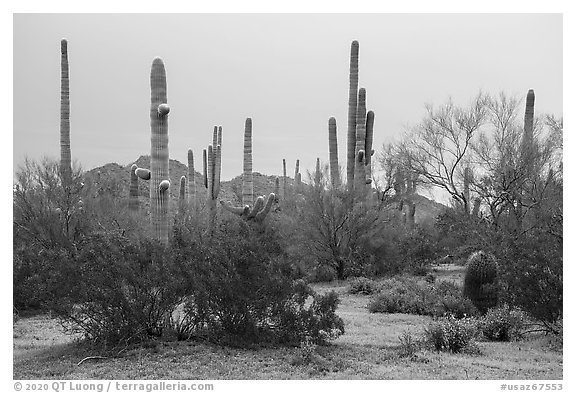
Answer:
(65, 155)
(159, 158)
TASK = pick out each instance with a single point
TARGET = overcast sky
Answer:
(288, 72)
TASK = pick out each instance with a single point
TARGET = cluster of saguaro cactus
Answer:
(480, 280)
(359, 136)
(212, 173)
(259, 209)
(159, 159)
(65, 155)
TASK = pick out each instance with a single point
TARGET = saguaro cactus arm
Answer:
(360, 173)
(261, 215)
(244, 210)
(143, 173)
(368, 145)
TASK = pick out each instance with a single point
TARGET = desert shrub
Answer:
(430, 278)
(452, 302)
(363, 286)
(405, 295)
(503, 324)
(480, 280)
(409, 344)
(450, 334)
(419, 248)
(532, 275)
(120, 290)
(241, 288)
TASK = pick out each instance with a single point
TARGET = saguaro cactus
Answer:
(182, 195)
(213, 176)
(352, 113)
(65, 155)
(529, 118)
(159, 158)
(247, 177)
(191, 182)
(133, 195)
(260, 210)
(333, 150)
(317, 173)
(284, 180)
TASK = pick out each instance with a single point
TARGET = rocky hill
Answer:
(114, 179)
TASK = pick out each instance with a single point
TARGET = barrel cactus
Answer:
(481, 280)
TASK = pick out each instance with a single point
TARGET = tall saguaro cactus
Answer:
(352, 113)
(191, 182)
(259, 209)
(247, 177)
(284, 180)
(65, 155)
(214, 157)
(159, 158)
(333, 151)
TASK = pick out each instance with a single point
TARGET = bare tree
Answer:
(438, 149)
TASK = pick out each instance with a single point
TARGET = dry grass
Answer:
(370, 349)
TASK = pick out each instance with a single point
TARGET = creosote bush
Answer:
(450, 334)
(363, 286)
(407, 295)
(242, 290)
(503, 324)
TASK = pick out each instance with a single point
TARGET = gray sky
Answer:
(288, 72)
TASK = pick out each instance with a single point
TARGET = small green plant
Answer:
(363, 286)
(503, 324)
(450, 334)
(409, 344)
(430, 278)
